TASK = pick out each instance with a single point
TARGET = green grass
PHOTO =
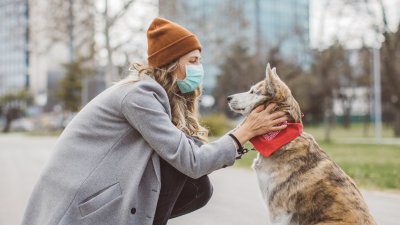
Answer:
(356, 131)
(372, 166)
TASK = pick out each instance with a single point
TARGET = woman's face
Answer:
(193, 58)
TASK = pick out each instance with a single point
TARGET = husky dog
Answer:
(299, 183)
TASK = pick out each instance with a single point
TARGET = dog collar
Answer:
(270, 142)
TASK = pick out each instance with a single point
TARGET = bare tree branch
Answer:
(121, 12)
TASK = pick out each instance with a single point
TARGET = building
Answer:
(30, 59)
(14, 54)
(257, 24)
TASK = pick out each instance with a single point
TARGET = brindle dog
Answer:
(300, 183)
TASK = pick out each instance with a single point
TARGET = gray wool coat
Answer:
(105, 167)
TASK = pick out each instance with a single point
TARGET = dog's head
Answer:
(271, 90)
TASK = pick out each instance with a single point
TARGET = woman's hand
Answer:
(260, 121)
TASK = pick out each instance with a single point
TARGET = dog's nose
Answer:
(229, 98)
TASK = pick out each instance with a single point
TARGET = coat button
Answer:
(133, 210)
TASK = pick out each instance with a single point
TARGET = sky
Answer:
(329, 20)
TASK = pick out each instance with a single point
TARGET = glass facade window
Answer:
(13, 45)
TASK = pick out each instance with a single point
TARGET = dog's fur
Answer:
(299, 183)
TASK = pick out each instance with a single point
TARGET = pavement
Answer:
(236, 199)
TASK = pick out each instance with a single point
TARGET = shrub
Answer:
(217, 124)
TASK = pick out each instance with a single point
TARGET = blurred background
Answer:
(340, 58)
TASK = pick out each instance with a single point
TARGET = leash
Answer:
(243, 150)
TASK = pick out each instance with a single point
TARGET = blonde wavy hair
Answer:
(184, 106)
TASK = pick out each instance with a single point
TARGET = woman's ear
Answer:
(180, 71)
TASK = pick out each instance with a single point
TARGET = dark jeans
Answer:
(180, 194)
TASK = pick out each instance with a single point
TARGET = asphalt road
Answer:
(236, 199)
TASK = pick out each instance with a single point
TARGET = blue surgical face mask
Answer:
(193, 79)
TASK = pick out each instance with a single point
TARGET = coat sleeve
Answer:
(145, 108)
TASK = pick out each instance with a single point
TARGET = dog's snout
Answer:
(229, 98)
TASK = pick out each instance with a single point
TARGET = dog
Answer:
(300, 183)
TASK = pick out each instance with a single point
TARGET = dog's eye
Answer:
(253, 92)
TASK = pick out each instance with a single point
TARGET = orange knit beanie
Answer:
(167, 41)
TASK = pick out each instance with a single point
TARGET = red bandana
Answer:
(269, 143)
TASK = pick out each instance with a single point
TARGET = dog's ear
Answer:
(269, 81)
(268, 73)
(274, 74)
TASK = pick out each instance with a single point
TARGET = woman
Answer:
(135, 153)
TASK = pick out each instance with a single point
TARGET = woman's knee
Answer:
(196, 194)
(205, 191)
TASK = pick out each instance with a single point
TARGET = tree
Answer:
(390, 53)
(110, 21)
(364, 80)
(239, 71)
(390, 73)
(76, 23)
(378, 22)
(331, 68)
(13, 106)
(70, 22)
(70, 88)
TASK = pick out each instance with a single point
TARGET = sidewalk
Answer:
(236, 199)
